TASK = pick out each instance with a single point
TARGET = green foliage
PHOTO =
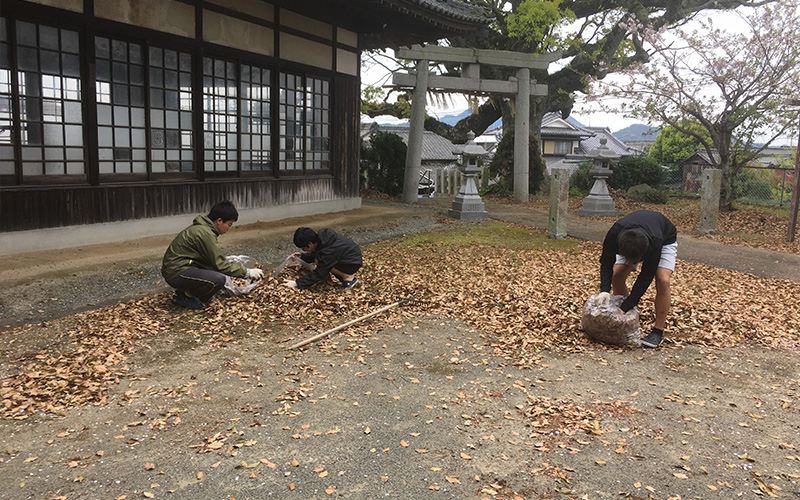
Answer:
(647, 194)
(673, 146)
(760, 185)
(502, 164)
(497, 189)
(535, 22)
(581, 181)
(373, 103)
(632, 170)
(383, 161)
(371, 97)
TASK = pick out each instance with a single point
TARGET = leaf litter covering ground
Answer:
(751, 225)
(523, 291)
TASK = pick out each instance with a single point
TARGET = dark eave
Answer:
(394, 23)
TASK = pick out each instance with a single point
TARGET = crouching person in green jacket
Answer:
(194, 263)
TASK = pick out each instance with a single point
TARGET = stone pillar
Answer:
(417, 122)
(521, 134)
(559, 203)
(709, 201)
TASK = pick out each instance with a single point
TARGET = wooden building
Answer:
(125, 118)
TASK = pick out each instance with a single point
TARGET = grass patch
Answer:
(775, 209)
(488, 233)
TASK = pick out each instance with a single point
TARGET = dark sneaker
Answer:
(349, 284)
(652, 340)
(184, 300)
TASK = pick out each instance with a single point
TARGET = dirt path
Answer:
(419, 409)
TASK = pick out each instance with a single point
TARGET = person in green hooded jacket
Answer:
(194, 264)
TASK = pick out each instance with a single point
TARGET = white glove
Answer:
(255, 273)
(290, 283)
(603, 298)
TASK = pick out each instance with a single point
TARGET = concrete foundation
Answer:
(113, 232)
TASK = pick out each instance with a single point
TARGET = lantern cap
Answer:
(471, 148)
(602, 152)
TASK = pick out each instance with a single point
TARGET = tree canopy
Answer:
(672, 146)
(595, 37)
(736, 86)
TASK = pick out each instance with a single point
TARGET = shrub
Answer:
(498, 189)
(502, 164)
(581, 181)
(383, 163)
(647, 194)
(632, 170)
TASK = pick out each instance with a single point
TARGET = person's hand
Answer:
(295, 256)
(603, 298)
(290, 283)
(255, 273)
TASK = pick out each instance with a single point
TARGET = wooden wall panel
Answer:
(346, 147)
(80, 205)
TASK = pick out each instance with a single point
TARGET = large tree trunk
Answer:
(727, 195)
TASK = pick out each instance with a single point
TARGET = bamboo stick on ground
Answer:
(345, 325)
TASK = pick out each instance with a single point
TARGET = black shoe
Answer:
(652, 340)
(184, 300)
(349, 284)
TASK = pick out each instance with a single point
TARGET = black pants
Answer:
(201, 283)
(347, 268)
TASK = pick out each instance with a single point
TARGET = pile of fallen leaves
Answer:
(751, 224)
(522, 291)
(547, 415)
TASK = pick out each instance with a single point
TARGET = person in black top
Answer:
(645, 237)
(334, 254)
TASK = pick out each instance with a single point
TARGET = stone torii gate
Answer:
(470, 82)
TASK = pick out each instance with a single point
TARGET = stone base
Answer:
(454, 214)
(594, 213)
(598, 207)
(467, 207)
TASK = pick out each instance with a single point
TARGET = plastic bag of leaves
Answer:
(234, 287)
(291, 260)
(605, 322)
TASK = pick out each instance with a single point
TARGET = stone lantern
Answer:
(599, 202)
(468, 204)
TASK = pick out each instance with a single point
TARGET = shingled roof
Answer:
(612, 143)
(435, 148)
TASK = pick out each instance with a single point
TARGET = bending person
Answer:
(648, 238)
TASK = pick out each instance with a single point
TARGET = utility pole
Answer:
(795, 183)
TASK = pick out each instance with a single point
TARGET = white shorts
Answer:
(667, 261)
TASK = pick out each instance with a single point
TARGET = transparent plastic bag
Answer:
(291, 261)
(607, 324)
(232, 290)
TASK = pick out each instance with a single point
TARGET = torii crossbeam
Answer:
(470, 82)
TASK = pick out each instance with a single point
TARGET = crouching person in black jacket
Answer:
(334, 254)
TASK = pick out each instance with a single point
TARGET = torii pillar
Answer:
(521, 87)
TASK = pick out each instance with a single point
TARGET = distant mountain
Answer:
(637, 132)
(453, 118)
